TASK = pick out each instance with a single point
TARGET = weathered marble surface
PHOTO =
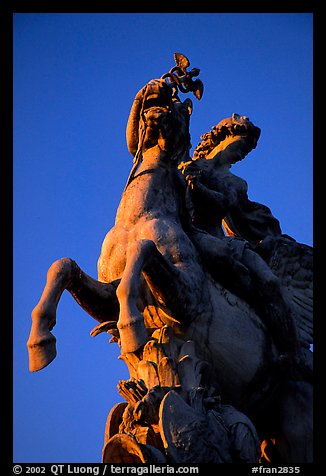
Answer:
(209, 302)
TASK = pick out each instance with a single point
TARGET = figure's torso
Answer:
(208, 215)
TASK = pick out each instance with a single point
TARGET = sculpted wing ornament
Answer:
(292, 262)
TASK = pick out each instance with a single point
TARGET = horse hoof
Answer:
(132, 336)
(41, 352)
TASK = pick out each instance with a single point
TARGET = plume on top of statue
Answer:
(180, 78)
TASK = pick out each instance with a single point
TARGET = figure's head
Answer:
(236, 135)
(156, 118)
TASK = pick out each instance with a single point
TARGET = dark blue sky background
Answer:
(75, 77)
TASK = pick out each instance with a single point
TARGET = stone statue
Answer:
(208, 381)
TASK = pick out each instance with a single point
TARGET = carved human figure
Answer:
(214, 197)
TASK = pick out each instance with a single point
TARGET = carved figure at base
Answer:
(171, 416)
(151, 274)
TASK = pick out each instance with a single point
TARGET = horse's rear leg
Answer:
(96, 298)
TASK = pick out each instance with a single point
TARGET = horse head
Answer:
(157, 117)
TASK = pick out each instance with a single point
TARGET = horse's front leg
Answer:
(131, 326)
(96, 298)
(175, 289)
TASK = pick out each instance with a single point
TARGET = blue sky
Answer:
(75, 77)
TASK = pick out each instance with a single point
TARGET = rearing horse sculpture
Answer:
(150, 274)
